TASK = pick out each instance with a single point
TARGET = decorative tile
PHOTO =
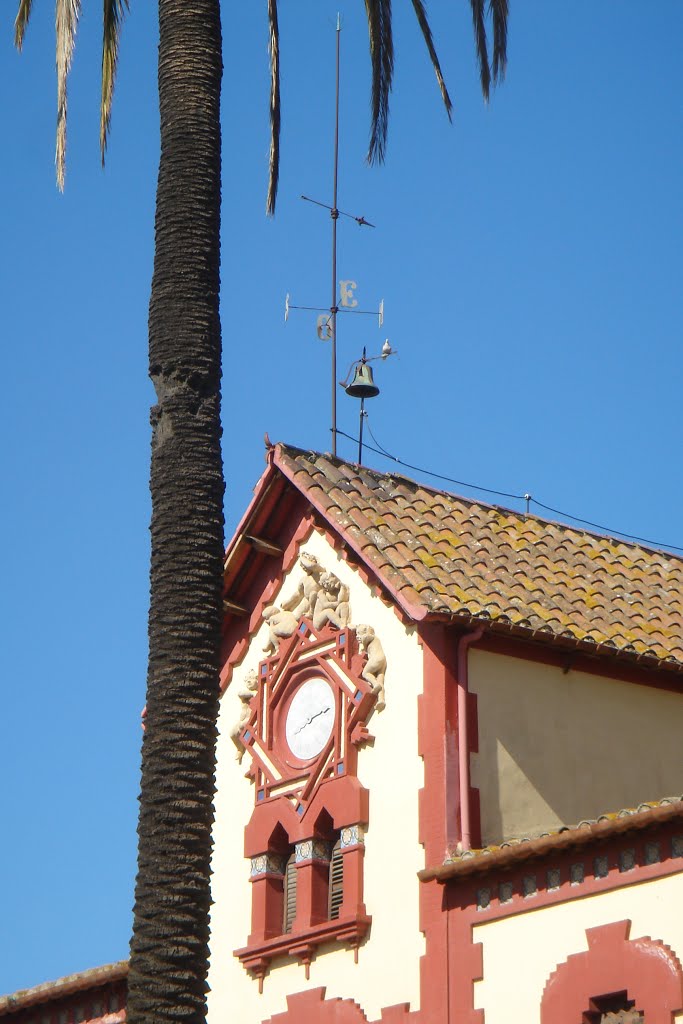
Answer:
(505, 892)
(677, 846)
(601, 867)
(303, 851)
(483, 898)
(322, 850)
(652, 853)
(259, 864)
(627, 860)
(352, 835)
(554, 879)
(312, 849)
(272, 863)
(576, 874)
(529, 885)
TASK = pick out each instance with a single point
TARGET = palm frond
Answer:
(382, 60)
(66, 22)
(274, 50)
(421, 15)
(114, 11)
(479, 23)
(21, 21)
(499, 10)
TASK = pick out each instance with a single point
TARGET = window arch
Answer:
(646, 971)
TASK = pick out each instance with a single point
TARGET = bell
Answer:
(362, 385)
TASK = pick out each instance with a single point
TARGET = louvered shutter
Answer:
(290, 894)
(336, 882)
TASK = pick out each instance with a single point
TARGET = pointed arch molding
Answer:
(313, 1008)
(647, 969)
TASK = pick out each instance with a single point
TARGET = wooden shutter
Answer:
(290, 894)
(336, 882)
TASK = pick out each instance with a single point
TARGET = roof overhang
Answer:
(485, 862)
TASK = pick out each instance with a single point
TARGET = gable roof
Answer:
(447, 557)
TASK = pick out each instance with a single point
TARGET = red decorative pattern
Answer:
(471, 901)
(312, 1008)
(646, 969)
(307, 654)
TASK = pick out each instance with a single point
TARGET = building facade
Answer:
(449, 767)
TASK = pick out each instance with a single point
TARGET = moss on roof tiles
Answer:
(462, 556)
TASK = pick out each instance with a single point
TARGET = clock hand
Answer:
(309, 720)
(323, 711)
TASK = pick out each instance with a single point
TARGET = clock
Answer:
(310, 718)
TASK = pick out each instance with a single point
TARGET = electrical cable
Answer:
(379, 450)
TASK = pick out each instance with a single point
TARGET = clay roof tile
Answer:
(461, 557)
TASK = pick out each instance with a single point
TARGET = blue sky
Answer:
(529, 261)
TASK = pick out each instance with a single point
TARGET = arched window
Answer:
(615, 1008)
(641, 981)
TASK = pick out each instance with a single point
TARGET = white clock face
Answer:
(310, 718)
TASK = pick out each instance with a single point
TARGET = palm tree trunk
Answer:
(169, 949)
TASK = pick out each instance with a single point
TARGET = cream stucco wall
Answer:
(388, 965)
(521, 952)
(556, 748)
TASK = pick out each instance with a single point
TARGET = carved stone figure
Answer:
(302, 602)
(331, 603)
(245, 693)
(281, 623)
(376, 665)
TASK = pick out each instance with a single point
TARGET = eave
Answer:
(488, 862)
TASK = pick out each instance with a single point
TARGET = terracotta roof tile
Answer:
(446, 554)
(461, 863)
(52, 990)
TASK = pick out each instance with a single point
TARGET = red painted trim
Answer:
(571, 839)
(344, 799)
(438, 817)
(264, 581)
(464, 643)
(647, 970)
(462, 897)
(311, 1007)
(416, 612)
(256, 957)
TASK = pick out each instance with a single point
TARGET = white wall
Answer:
(521, 952)
(388, 967)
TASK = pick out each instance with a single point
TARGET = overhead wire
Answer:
(380, 450)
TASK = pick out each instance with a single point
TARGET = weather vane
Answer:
(326, 324)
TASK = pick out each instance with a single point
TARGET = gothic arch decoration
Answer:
(304, 718)
(646, 969)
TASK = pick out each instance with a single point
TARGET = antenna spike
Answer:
(338, 22)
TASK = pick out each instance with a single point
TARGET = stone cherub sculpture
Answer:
(376, 665)
(281, 623)
(245, 693)
(302, 602)
(331, 603)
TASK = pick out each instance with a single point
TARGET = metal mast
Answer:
(334, 214)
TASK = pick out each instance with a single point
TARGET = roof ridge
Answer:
(337, 460)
